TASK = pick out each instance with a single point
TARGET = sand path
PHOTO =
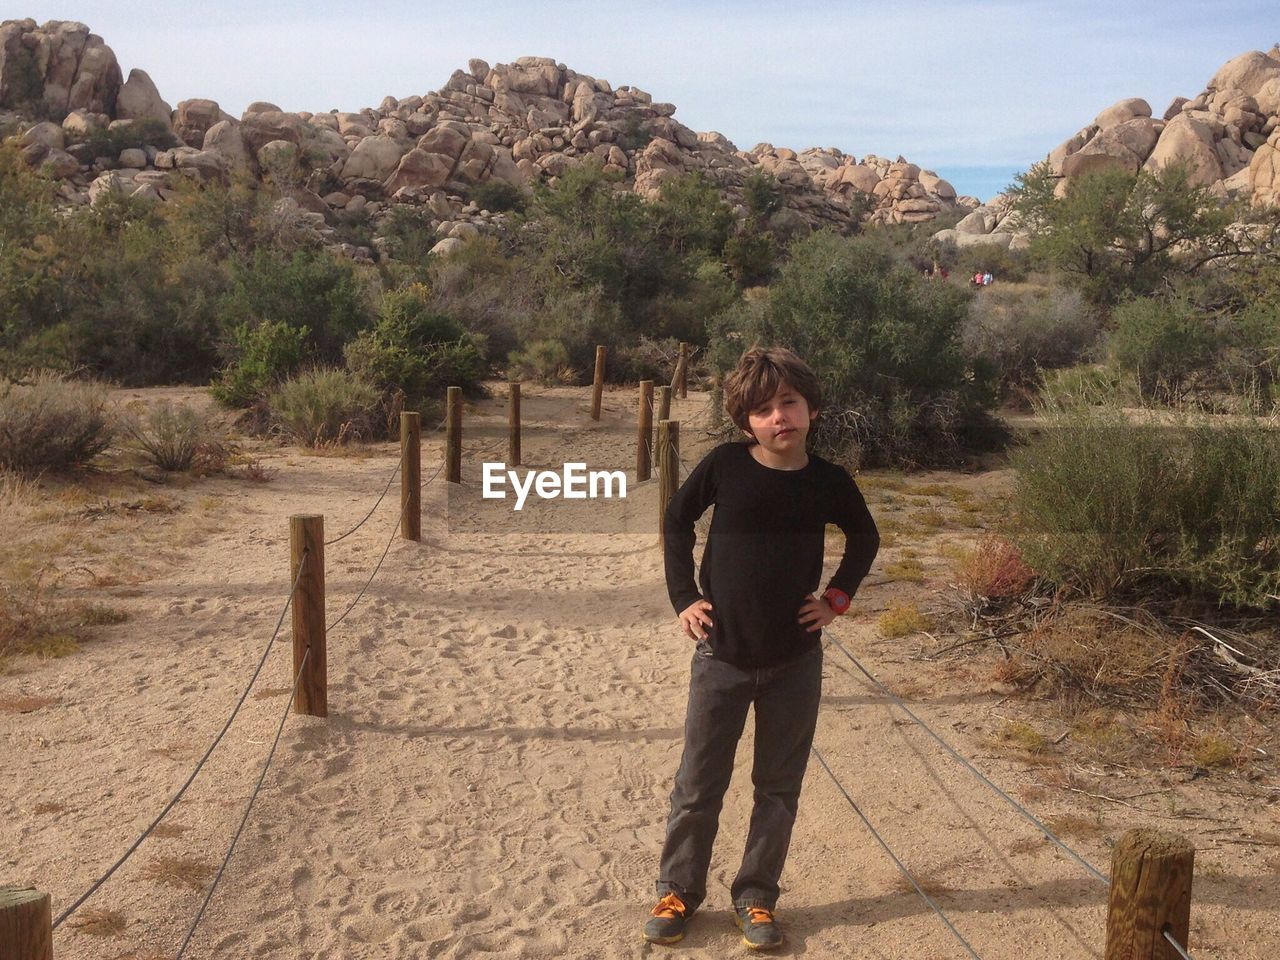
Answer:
(505, 718)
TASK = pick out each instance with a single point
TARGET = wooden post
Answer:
(664, 412)
(717, 402)
(668, 468)
(1150, 893)
(679, 381)
(26, 924)
(513, 426)
(306, 533)
(453, 436)
(597, 385)
(410, 475)
(644, 432)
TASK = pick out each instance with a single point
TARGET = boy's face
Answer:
(782, 422)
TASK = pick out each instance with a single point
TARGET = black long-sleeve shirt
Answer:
(764, 552)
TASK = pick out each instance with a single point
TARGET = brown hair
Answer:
(760, 373)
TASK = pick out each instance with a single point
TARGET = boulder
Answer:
(859, 176)
(58, 165)
(194, 118)
(207, 165)
(1187, 139)
(1121, 112)
(106, 184)
(1268, 97)
(374, 158)
(419, 168)
(973, 223)
(259, 127)
(530, 75)
(445, 247)
(1264, 172)
(278, 156)
(1246, 73)
(448, 139)
(260, 106)
(935, 185)
(1128, 143)
(47, 134)
(79, 125)
(133, 158)
(224, 140)
(140, 100)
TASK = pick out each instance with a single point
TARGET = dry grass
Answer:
(169, 831)
(929, 884)
(991, 571)
(1074, 825)
(1214, 750)
(1019, 737)
(881, 481)
(46, 807)
(929, 519)
(100, 923)
(909, 570)
(178, 872)
(267, 693)
(902, 620)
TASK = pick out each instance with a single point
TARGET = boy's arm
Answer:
(861, 539)
(689, 503)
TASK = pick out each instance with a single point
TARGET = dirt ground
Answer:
(506, 705)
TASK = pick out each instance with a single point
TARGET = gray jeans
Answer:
(786, 700)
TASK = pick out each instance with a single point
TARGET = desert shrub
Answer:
(137, 134)
(1088, 383)
(751, 257)
(1249, 359)
(417, 351)
(650, 359)
(543, 361)
(177, 439)
(52, 423)
(308, 289)
(884, 341)
(1018, 332)
(1004, 265)
(265, 354)
(498, 196)
(1172, 507)
(1167, 343)
(323, 406)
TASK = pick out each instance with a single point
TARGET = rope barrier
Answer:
(971, 768)
(199, 766)
(385, 551)
(1182, 951)
(390, 480)
(245, 819)
(894, 857)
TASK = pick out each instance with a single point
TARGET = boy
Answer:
(757, 627)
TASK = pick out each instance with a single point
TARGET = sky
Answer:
(973, 91)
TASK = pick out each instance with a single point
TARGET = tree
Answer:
(1114, 232)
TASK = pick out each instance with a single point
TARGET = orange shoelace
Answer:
(669, 906)
(759, 915)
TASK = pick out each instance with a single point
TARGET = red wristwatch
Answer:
(837, 600)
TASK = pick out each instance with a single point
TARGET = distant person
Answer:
(757, 621)
(977, 279)
(986, 279)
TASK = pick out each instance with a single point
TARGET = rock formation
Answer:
(1229, 133)
(517, 123)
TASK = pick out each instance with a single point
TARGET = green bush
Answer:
(1167, 343)
(308, 288)
(751, 258)
(417, 351)
(884, 341)
(265, 355)
(498, 196)
(324, 407)
(1169, 507)
(542, 361)
(52, 423)
(1019, 331)
(139, 134)
(176, 439)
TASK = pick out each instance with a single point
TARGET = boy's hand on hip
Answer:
(815, 613)
(693, 619)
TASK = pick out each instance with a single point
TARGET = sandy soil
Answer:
(505, 718)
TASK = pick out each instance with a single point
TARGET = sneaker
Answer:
(759, 929)
(666, 925)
